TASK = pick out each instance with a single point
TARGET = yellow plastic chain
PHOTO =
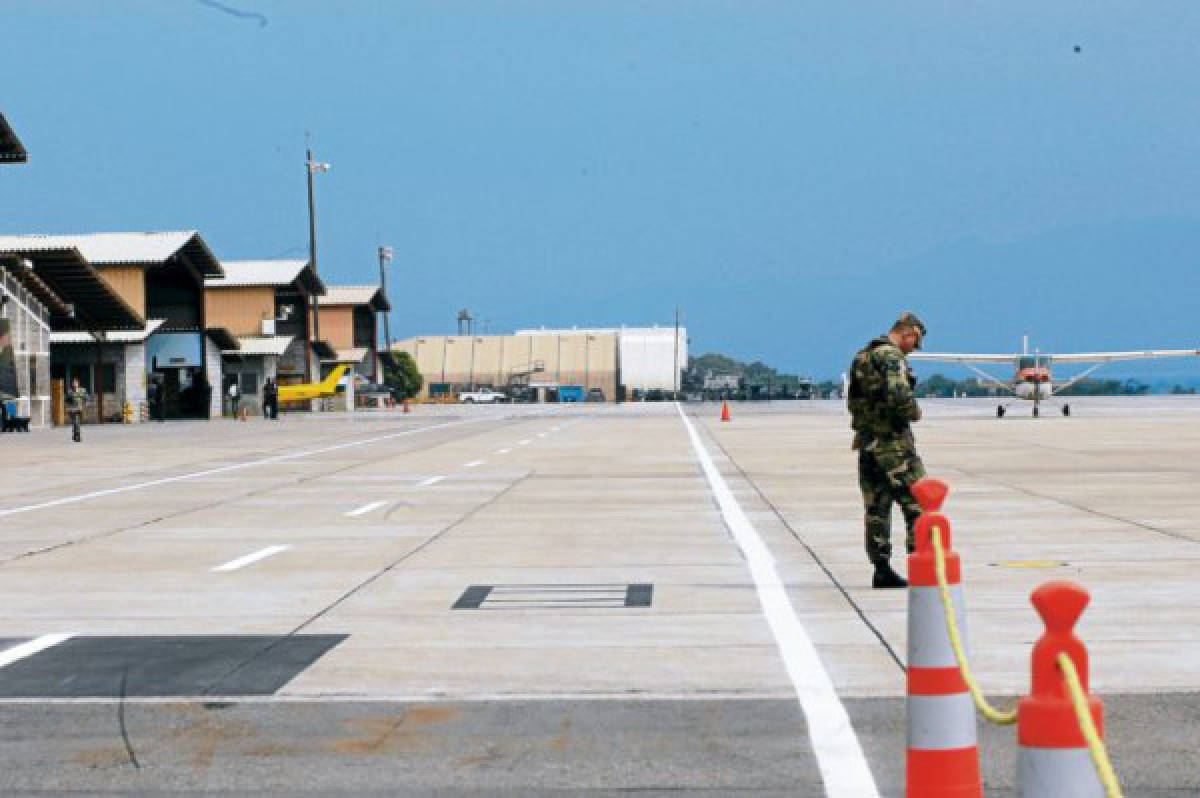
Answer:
(1104, 768)
(985, 709)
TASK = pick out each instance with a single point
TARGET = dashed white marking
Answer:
(279, 458)
(555, 429)
(503, 451)
(19, 652)
(524, 442)
(474, 463)
(366, 508)
(242, 562)
(431, 481)
(541, 434)
(839, 754)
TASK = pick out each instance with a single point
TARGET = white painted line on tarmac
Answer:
(366, 508)
(10, 655)
(839, 754)
(242, 562)
(524, 442)
(474, 463)
(541, 434)
(431, 481)
(555, 429)
(503, 451)
(208, 472)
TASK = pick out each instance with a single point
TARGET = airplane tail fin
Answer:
(329, 384)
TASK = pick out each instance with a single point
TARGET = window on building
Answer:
(249, 383)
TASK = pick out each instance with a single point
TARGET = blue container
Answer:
(571, 393)
(10, 408)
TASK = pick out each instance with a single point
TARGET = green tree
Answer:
(403, 376)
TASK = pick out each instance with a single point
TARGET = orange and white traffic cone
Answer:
(1053, 758)
(725, 416)
(943, 749)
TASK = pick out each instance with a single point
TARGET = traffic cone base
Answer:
(725, 416)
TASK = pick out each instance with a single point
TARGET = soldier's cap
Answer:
(909, 321)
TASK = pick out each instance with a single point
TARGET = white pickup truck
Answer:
(485, 396)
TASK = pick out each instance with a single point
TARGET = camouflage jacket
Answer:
(75, 400)
(880, 397)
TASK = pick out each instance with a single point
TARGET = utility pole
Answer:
(311, 167)
(385, 257)
(675, 377)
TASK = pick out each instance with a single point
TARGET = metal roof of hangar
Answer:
(354, 354)
(95, 305)
(261, 345)
(132, 249)
(267, 272)
(11, 149)
(370, 295)
(116, 336)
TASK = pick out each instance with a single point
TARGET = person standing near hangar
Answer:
(271, 400)
(882, 409)
(76, 400)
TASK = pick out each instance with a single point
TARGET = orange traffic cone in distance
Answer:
(725, 412)
(1052, 754)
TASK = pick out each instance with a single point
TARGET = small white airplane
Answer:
(1031, 377)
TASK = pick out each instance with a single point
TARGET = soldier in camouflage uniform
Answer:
(882, 408)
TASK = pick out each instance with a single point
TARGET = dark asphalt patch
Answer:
(695, 747)
(96, 667)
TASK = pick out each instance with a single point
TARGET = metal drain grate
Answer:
(554, 597)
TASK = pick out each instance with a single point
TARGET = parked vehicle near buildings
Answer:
(482, 396)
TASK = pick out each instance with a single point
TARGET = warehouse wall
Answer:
(571, 358)
(239, 309)
(129, 282)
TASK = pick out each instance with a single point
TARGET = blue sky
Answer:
(791, 174)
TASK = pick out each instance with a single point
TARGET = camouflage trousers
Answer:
(885, 473)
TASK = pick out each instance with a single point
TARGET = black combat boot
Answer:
(886, 577)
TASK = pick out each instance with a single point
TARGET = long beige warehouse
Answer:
(637, 358)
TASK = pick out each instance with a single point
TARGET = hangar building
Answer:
(622, 363)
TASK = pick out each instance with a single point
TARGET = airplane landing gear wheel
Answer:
(1066, 410)
(999, 411)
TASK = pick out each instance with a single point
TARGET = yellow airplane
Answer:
(313, 390)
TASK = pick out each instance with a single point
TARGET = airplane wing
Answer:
(969, 360)
(954, 357)
(1105, 357)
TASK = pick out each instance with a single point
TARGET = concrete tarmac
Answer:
(521, 600)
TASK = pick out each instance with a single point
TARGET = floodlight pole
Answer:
(312, 239)
(385, 255)
(675, 373)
